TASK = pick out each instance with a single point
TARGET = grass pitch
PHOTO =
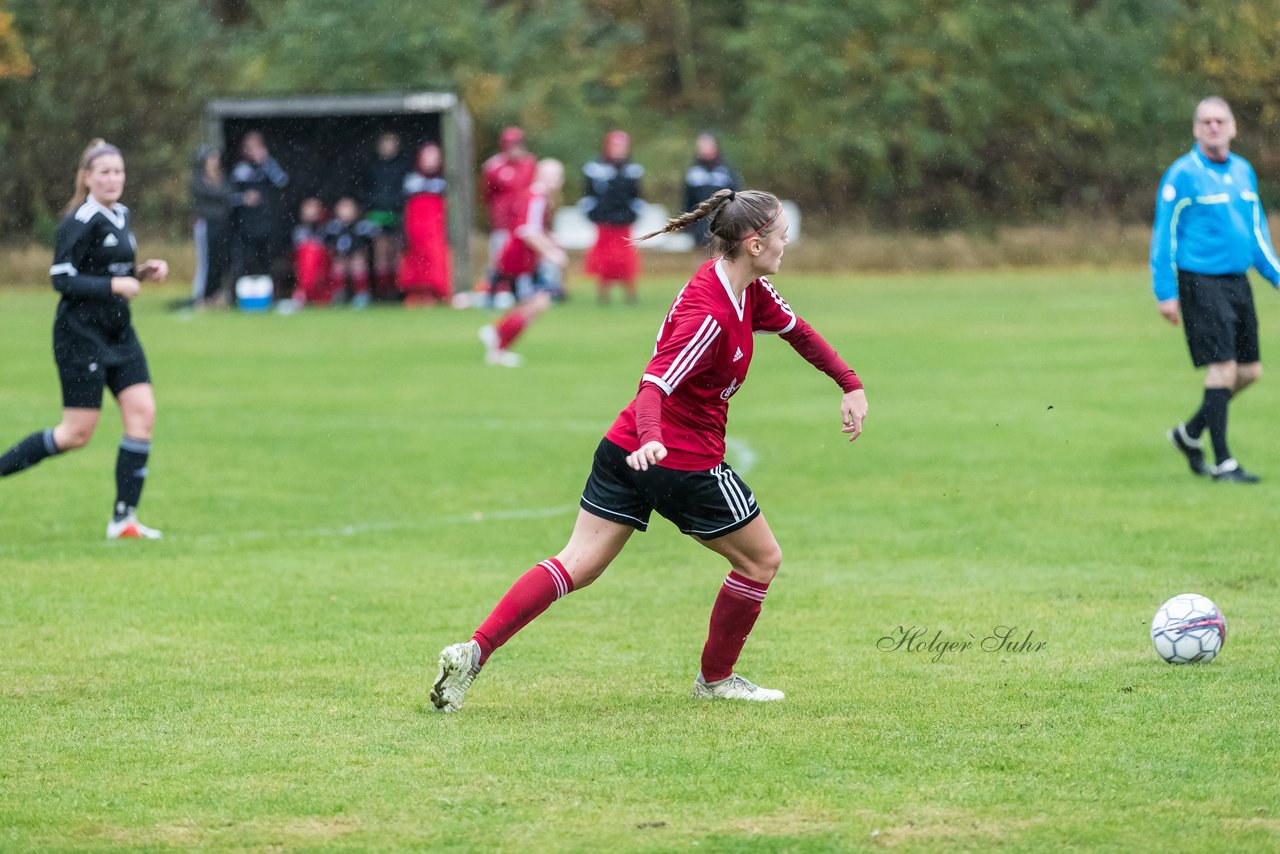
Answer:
(343, 494)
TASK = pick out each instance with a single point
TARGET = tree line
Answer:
(919, 114)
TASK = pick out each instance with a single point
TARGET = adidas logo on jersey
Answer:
(111, 240)
(737, 355)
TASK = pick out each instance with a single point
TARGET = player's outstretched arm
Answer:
(853, 411)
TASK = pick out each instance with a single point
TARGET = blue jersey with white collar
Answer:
(1209, 220)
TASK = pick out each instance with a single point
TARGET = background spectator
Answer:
(310, 258)
(506, 177)
(612, 202)
(349, 239)
(383, 199)
(255, 178)
(424, 266)
(211, 200)
(708, 174)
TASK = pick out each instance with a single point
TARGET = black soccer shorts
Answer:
(83, 378)
(1218, 318)
(704, 504)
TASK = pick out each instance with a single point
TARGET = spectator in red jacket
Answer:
(310, 259)
(424, 266)
(506, 178)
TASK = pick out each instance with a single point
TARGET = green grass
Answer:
(344, 494)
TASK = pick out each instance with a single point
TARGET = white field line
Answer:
(744, 458)
(359, 528)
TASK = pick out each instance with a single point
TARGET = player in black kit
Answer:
(94, 344)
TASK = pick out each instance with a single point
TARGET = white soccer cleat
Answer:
(733, 688)
(489, 337)
(495, 355)
(129, 528)
(459, 666)
(505, 358)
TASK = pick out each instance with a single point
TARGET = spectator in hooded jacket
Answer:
(612, 202)
(211, 201)
(708, 174)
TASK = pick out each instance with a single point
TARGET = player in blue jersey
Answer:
(1209, 230)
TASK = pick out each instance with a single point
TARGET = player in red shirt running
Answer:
(665, 451)
(521, 265)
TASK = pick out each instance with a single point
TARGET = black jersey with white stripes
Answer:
(94, 244)
(346, 238)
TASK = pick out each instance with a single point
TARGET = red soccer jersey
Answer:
(518, 258)
(505, 181)
(700, 361)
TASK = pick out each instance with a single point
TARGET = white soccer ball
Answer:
(1188, 628)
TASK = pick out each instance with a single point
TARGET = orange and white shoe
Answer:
(129, 528)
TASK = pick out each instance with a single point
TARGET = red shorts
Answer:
(613, 258)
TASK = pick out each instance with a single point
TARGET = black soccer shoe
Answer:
(1229, 470)
(1189, 448)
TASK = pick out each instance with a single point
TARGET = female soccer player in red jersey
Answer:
(523, 264)
(665, 451)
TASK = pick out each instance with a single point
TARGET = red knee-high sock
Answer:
(360, 281)
(733, 615)
(337, 285)
(510, 327)
(532, 594)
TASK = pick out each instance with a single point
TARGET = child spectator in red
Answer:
(310, 259)
(424, 266)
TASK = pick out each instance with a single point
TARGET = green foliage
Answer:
(903, 113)
(14, 61)
(135, 74)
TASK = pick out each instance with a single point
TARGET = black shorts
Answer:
(704, 504)
(83, 378)
(1218, 318)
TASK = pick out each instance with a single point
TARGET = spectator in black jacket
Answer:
(383, 197)
(255, 178)
(211, 201)
(613, 203)
(708, 174)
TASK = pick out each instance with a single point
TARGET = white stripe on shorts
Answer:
(733, 496)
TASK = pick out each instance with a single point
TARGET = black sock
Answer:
(28, 452)
(1215, 418)
(131, 473)
(1196, 423)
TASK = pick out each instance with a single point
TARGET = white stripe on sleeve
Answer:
(688, 358)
